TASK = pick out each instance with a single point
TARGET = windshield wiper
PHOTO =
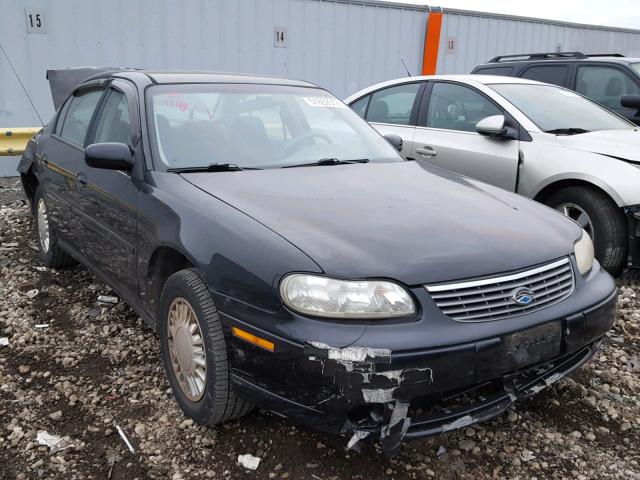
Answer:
(328, 161)
(567, 131)
(214, 167)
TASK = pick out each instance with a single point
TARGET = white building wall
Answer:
(342, 45)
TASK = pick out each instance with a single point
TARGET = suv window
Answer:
(455, 107)
(555, 74)
(605, 84)
(494, 71)
(114, 124)
(393, 105)
(76, 122)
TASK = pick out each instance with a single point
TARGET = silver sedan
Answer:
(539, 140)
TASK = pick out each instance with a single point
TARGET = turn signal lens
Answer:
(251, 338)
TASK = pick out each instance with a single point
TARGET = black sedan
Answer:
(290, 258)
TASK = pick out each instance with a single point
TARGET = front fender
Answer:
(546, 163)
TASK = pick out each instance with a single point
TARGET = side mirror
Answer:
(109, 156)
(630, 101)
(492, 126)
(394, 140)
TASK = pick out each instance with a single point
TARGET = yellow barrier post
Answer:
(14, 140)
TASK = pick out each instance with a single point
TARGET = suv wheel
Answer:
(194, 351)
(50, 253)
(602, 220)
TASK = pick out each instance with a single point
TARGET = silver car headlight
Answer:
(583, 250)
(328, 297)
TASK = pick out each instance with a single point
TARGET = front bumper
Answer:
(392, 395)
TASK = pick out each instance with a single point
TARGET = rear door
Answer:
(445, 135)
(109, 198)
(606, 84)
(393, 110)
(62, 157)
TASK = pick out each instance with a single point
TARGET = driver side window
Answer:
(79, 113)
(456, 107)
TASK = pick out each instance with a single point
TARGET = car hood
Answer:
(403, 220)
(622, 144)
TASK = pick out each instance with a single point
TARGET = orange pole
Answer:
(431, 43)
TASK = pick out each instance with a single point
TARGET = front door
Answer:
(109, 198)
(446, 137)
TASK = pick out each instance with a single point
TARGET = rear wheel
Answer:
(50, 253)
(601, 219)
(194, 351)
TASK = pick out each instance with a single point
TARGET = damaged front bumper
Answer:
(390, 395)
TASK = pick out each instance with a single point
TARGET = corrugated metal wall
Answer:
(479, 37)
(342, 45)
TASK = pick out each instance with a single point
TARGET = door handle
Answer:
(81, 181)
(426, 151)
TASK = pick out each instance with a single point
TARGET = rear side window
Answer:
(114, 124)
(393, 105)
(360, 106)
(555, 74)
(605, 84)
(506, 71)
(76, 122)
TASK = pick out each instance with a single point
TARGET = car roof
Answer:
(598, 58)
(196, 76)
(470, 79)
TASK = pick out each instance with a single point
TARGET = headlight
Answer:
(583, 250)
(328, 297)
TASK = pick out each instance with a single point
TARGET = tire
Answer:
(608, 222)
(50, 252)
(218, 402)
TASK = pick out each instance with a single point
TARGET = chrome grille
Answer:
(491, 298)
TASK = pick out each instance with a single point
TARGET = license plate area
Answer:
(534, 345)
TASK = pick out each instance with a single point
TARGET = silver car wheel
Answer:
(186, 349)
(577, 214)
(43, 226)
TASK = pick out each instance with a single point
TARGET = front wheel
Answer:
(194, 351)
(601, 218)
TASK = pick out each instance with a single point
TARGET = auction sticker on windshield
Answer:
(324, 102)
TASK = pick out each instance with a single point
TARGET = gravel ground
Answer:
(77, 369)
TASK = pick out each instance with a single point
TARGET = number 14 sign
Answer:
(34, 18)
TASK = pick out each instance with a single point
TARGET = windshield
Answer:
(257, 126)
(557, 109)
(636, 67)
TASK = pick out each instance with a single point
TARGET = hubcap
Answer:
(186, 349)
(43, 225)
(578, 214)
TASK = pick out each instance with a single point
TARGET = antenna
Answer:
(21, 84)
(405, 67)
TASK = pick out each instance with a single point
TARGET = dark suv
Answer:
(610, 79)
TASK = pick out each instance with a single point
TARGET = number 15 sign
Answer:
(34, 18)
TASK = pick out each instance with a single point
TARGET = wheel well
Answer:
(544, 194)
(164, 262)
(29, 183)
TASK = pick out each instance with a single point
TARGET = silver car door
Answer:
(445, 135)
(393, 110)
